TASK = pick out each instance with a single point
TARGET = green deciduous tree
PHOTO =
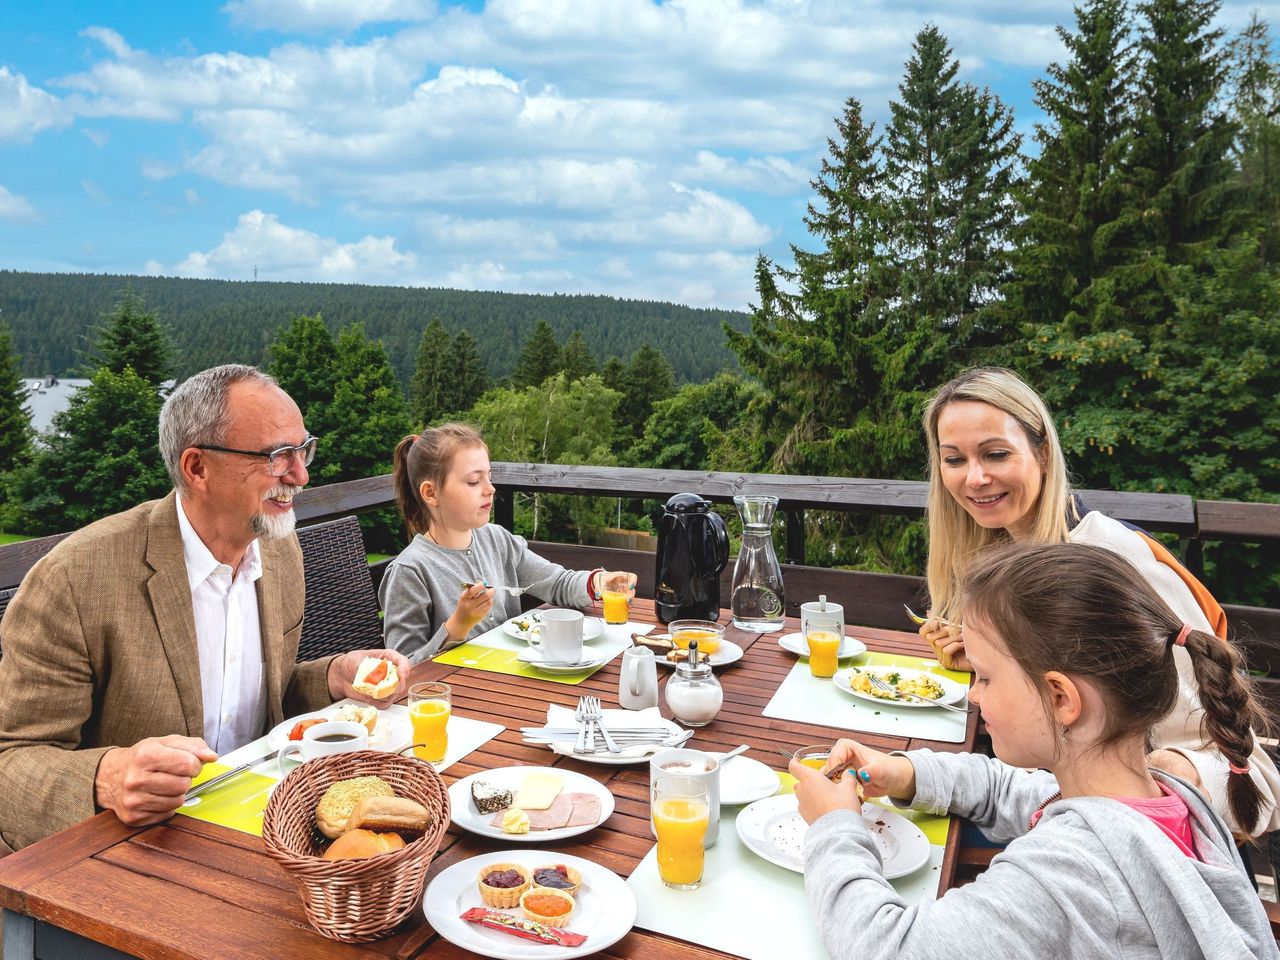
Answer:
(101, 456)
(132, 336)
(15, 416)
(428, 387)
(684, 430)
(539, 358)
(303, 358)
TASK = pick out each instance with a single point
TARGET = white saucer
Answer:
(518, 627)
(534, 659)
(743, 780)
(794, 643)
(728, 652)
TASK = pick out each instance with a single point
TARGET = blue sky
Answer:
(624, 147)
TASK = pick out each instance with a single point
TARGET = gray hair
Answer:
(196, 412)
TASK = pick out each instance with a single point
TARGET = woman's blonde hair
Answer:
(426, 457)
(955, 538)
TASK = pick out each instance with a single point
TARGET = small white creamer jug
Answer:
(638, 684)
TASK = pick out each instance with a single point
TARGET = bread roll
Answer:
(360, 713)
(334, 809)
(376, 677)
(357, 844)
(390, 813)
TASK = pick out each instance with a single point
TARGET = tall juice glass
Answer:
(615, 592)
(429, 709)
(681, 810)
(823, 636)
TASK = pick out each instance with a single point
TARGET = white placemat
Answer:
(736, 884)
(807, 699)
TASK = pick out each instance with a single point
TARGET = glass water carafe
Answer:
(757, 598)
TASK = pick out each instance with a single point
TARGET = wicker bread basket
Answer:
(354, 900)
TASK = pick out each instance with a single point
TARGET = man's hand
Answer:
(342, 673)
(145, 783)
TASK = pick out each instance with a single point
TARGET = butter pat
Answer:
(515, 820)
(538, 791)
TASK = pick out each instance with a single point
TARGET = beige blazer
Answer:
(98, 649)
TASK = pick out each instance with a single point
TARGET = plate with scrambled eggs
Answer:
(854, 681)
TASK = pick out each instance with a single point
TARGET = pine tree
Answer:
(304, 359)
(132, 336)
(539, 359)
(15, 416)
(649, 378)
(428, 387)
(613, 373)
(576, 359)
(1255, 109)
(468, 376)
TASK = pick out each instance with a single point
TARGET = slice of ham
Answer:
(567, 810)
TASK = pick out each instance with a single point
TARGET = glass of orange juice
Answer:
(708, 633)
(816, 755)
(429, 707)
(823, 636)
(616, 588)
(681, 811)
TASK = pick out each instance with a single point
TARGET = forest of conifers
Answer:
(50, 316)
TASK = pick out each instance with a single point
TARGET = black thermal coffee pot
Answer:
(693, 547)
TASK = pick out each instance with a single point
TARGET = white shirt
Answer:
(229, 641)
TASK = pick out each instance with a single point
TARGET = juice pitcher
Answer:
(757, 598)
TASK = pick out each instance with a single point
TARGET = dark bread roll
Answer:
(390, 813)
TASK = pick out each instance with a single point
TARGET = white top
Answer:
(229, 641)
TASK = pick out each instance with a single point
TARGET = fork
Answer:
(921, 621)
(513, 591)
(880, 684)
(596, 715)
(580, 715)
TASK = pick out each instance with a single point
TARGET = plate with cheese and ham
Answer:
(529, 804)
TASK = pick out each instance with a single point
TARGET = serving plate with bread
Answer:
(668, 654)
(390, 730)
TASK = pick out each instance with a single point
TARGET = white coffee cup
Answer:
(695, 765)
(325, 739)
(825, 608)
(638, 682)
(559, 636)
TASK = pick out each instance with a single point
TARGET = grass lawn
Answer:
(11, 538)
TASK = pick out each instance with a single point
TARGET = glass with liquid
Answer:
(430, 705)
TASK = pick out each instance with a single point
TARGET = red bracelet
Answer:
(592, 593)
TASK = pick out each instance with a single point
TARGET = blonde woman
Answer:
(997, 474)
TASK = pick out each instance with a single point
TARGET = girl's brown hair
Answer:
(1088, 613)
(426, 457)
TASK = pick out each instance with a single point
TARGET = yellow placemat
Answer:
(934, 827)
(239, 803)
(496, 660)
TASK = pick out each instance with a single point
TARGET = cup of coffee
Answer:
(326, 739)
(697, 766)
(823, 608)
(558, 637)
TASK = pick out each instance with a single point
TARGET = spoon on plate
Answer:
(722, 757)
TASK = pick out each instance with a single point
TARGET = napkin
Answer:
(558, 716)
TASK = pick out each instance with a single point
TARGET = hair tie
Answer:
(1243, 771)
(1181, 639)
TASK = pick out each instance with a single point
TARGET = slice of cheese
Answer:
(538, 791)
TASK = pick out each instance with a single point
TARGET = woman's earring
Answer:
(1066, 731)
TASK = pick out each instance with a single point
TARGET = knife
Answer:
(235, 771)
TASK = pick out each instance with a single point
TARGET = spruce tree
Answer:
(539, 359)
(576, 359)
(429, 386)
(132, 336)
(649, 378)
(304, 359)
(15, 416)
(613, 373)
(1255, 110)
(468, 376)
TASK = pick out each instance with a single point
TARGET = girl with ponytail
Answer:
(1074, 658)
(436, 593)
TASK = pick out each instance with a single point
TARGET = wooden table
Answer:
(190, 889)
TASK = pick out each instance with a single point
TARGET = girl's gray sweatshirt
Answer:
(1094, 878)
(422, 585)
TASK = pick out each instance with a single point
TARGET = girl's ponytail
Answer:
(407, 499)
(1231, 714)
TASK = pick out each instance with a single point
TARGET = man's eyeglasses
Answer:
(280, 461)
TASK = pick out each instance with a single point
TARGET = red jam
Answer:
(503, 879)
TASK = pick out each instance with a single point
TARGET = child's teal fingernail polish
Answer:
(865, 775)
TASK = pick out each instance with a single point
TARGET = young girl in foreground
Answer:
(445, 495)
(1106, 857)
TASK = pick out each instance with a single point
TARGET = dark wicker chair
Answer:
(341, 609)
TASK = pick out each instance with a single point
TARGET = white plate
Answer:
(794, 643)
(614, 760)
(466, 816)
(518, 627)
(774, 830)
(743, 780)
(393, 731)
(605, 912)
(952, 692)
(534, 659)
(728, 652)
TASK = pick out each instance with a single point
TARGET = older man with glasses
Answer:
(150, 642)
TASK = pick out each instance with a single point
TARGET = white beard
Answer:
(276, 526)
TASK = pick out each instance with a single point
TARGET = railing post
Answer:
(504, 507)
(795, 535)
(1193, 557)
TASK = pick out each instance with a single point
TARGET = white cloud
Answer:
(26, 110)
(99, 138)
(281, 252)
(17, 209)
(93, 191)
(308, 16)
(192, 197)
(768, 174)
(158, 170)
(508, 237)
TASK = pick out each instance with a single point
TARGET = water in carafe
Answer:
(757, 600)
